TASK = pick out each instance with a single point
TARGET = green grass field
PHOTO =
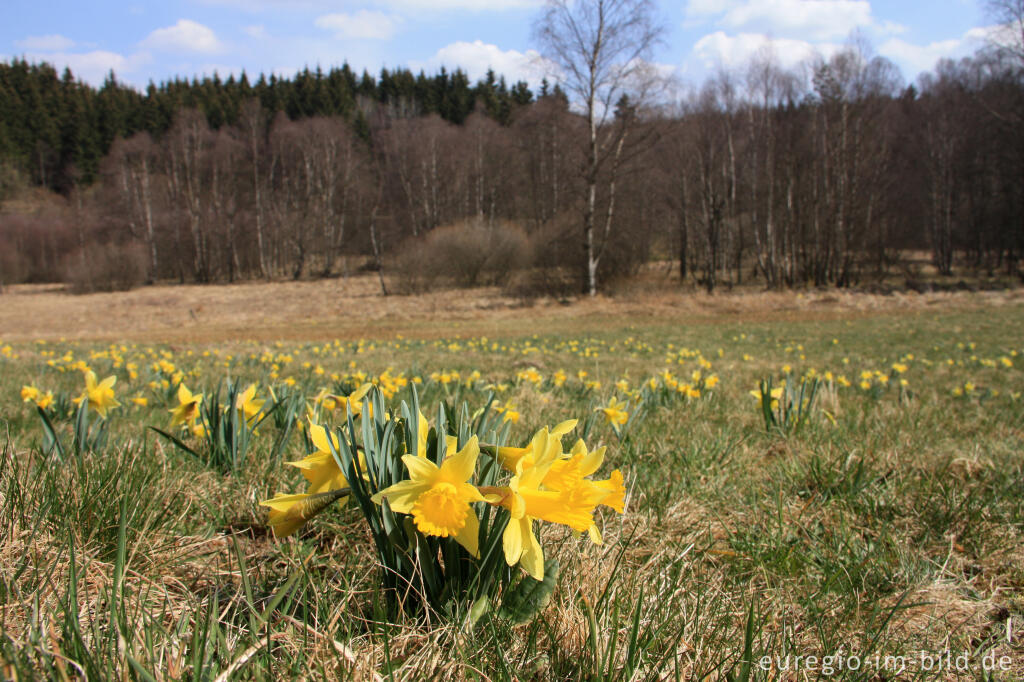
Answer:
(884, 529)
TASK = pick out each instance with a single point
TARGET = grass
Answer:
(889, 524)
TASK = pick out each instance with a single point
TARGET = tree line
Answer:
(56, 129)
(827, 173)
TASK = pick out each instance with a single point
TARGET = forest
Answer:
(833, 173)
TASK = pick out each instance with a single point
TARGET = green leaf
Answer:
(177, 443)
(528, 598)
(479, 608)
(50, 440)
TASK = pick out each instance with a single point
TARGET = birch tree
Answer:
(601, 50)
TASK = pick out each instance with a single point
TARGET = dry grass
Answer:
(354, 308)
(721, 515)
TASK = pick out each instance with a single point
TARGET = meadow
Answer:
(866, 518)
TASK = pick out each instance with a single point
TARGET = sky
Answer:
(156, 41)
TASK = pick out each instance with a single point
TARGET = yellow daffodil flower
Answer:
(613, 413)
(439, 498)
(188, 406)
(247, 404)
(570, 474)
(288, 513)
(353, 403)
(527, 499)
(511, 457)
(100, 395)
(321, 468)
(775, 395)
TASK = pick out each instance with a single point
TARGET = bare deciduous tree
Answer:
(601, 49)
(251, 128)
(131, 167)
(1009, 15)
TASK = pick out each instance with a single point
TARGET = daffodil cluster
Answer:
(447, 496)
(551, 485)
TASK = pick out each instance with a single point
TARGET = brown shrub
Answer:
(466, 254)
(109, 267)
(13, 269)
(555, 262)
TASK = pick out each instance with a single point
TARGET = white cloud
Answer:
(469, 5)
(257, 31)
(184, 36)
(364, 24)
(894, 28)
(476, 57)
(414, 5)
(917, 58)
(1005, 35)
(808, 20)
(737, 50)
(709, 8)
(52, 42)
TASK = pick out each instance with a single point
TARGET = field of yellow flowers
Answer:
(735, 500)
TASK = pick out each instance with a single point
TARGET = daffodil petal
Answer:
(533, 556)
(402, 495)
(420, 468)
(512, 542)
(469, 535)
(460, 467)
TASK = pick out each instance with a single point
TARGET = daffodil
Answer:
(99, 395)
(451, 442)
(288, 513)
(353, 403)
(29, 394)
(613, 413)
(247, 404)
(44, 400)
(188, 406)
(775, 394)
(508, 411)
(511, 457)
(439, 498)
(528, 499)
(321, 468)
(570, 474)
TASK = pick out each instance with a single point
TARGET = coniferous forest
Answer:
(834, 173)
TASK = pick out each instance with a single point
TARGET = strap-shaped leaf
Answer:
(51, 441)
(524, 601)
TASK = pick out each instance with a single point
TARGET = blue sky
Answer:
(143, 41)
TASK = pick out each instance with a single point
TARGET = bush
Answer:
(466, 254)
(555, 262)
(13, 269)
(110, 267)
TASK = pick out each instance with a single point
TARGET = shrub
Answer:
(109, 267)
(466, 254)
(555, 261)
(13, 269)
